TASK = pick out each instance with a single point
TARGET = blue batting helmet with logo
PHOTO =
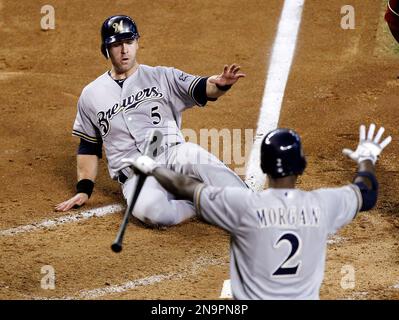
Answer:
(117, 28)
(281, 154)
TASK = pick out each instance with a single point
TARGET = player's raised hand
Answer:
(369, 147)
(228, 77)
(77, 200)
(144, 164)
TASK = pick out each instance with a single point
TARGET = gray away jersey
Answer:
(152, 97)
(278, 236)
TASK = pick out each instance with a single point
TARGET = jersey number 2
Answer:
(156, 115)
(295, 243)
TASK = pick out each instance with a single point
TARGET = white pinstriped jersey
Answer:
(278, 236)
(152, 97)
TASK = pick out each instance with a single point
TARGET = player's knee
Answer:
(159, 217)
(192, 154)
(156, 212)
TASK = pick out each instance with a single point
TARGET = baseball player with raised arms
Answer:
(122, 106)
(279, 236)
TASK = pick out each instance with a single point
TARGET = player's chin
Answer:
(125, 65)
(120, 68)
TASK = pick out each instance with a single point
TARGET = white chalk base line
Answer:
(52, 223)
(276, 81)
(196, 266)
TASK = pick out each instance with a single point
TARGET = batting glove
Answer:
(369, 148)
(143, 163)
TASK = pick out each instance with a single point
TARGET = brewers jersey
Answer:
(278, 236)
(122, 117)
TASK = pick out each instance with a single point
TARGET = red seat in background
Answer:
(392, 17)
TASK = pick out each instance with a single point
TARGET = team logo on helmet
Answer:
(118, 27)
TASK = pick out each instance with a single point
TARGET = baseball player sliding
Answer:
(278, 236)
(122, 106)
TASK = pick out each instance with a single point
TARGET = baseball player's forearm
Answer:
(212, 91)
(367, 182)
(87, 167)
(217, 85)
(183, 187)
(365, 166)
(366, 155)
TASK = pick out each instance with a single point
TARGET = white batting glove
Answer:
(143, 163)
(368, 148)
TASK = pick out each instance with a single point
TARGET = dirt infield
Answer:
(339, 79)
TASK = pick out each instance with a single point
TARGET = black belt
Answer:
(157, 152)
(122, 177)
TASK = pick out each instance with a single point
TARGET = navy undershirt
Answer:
(120, 82)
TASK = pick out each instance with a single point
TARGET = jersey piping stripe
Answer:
(84, 136)
(192, 85)
(358, 196)
(191, 90)
(197, 197)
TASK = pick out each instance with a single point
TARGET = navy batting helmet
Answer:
(281, 154)
(117, 28)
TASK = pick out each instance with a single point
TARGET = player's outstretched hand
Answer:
(229, 76)
(76, 201)
(369, 148)
(144, 164)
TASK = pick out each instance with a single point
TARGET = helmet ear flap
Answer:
(104, 51)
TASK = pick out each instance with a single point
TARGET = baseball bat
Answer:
(138, 184)
(153, 143)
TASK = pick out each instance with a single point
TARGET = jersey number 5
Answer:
(156, 115)
(295, 245)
